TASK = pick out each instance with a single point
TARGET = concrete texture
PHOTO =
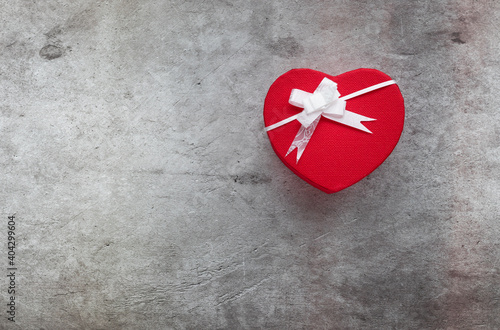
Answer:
(147, 195)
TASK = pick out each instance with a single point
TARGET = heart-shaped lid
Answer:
(338, 153)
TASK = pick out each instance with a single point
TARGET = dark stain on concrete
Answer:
(54, 46)
(54, 32)
(51, 52)
(456, 38)
(250, 178)
(286, 47)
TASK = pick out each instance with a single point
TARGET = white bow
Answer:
(325, 99)
(326, 102)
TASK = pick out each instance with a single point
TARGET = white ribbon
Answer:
(326, 102)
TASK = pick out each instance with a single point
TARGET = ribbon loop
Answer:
(297, 97)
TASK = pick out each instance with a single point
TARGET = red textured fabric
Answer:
(337, 155)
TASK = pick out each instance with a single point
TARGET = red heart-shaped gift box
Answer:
(337, 156)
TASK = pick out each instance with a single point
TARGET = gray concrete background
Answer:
(147, 195)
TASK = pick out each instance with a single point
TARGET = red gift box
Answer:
(336, 155)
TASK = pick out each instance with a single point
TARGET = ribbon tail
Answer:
(302, 138)
(351, 119)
